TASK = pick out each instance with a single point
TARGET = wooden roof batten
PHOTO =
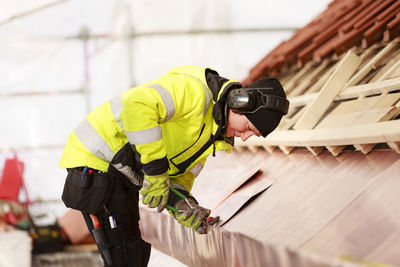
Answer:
(347, 97)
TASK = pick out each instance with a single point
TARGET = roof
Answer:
(343, 25)
(341, 73)
(320, 211)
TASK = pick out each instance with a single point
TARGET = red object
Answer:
(209, 219)
(343, 25)
(11, 218)
(74, 227)
(12, 179)
(95, 221)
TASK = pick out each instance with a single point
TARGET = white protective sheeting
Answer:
(15, 249)
(62, 58)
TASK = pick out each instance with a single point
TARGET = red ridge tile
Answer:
(325, 50)
(373, 11)
(393, 29)
(364, 9)
(351, 39)
(375, 33)
(332, 30)
(388, 11)
(342, 25)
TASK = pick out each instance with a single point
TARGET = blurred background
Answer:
(61, 59)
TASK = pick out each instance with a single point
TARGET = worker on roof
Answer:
(155, 138)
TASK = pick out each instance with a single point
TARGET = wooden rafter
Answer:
(336, 111)
(348, 64)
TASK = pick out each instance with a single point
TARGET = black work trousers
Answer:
(120, 222)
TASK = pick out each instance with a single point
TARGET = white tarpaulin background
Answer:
(61, 59)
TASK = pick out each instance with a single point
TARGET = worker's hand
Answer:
(186, 210)
(195, 217)
(155, 191)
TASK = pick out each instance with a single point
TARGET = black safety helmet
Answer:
(263, 102)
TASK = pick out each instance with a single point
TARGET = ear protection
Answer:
(252, 99)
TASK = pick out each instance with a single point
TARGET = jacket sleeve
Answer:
(187, 179)
(142, 113)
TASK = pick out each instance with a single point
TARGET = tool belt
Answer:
(86, 191)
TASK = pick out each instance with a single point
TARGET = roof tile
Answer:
(393, 29)
(375, 33)
(343, 25)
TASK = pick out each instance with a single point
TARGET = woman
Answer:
(155, 138)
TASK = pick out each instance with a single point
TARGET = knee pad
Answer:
(146, 251)
(138, 252)
(135, 253)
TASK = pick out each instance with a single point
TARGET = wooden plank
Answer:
(379, 87)
(376, 115)
(370, 65)
(318, 85)
(391, 68)
(302, 100)
(348, 64)
(286, 149)
(371, 51)
(388, 69)
(315, 150)
(371, 133)
(361, 111)
(292, 110)
(370, 89)
(290, 85)
(395, 73)
(239, 147)
(379, 114)
(340, 120)
(335, 150)
(270, 149)
(287, 119)
(291, 121)
(285, 77)
(308, 80)
(372, 109)
(339, 116)
(395, 146)
(253, 148)
(365, 149)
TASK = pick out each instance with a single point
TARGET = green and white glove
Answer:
(155, 191)
(187, 211)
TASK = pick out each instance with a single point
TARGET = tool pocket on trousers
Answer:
(87, 192)
(118, 249)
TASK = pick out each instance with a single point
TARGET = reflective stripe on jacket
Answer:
(168, 122)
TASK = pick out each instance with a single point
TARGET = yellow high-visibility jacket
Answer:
(171, 124)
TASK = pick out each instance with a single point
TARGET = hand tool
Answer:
(212, 220)
(208, 221)
(100, 237)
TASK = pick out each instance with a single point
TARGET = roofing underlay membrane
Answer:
(320, 211)
(327, 191)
